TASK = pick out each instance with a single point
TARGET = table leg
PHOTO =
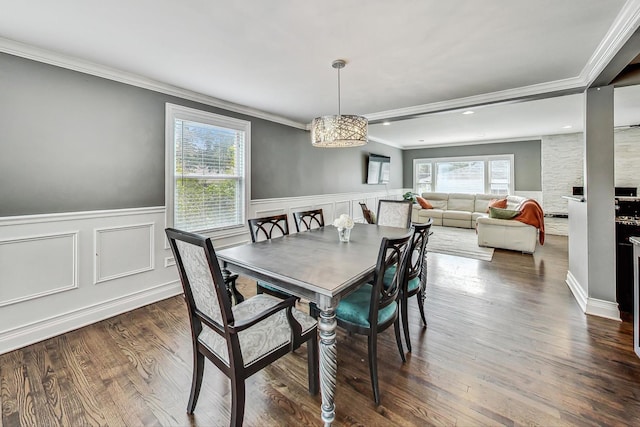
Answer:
(328, 363)
(230, 282)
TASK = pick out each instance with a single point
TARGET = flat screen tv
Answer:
(378, 169)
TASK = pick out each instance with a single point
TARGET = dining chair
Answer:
(373, 307)
(266, 228)
(239, 339)
(368, 215)
(394, 213)
(415, 277)
(306, 220)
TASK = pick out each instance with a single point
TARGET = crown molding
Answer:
(384, 141)
(34, 53)
(569, 84)
(474, 142)
(619, 33)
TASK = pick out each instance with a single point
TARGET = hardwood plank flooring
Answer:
(506, 344)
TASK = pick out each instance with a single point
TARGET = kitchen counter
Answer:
(575, 198)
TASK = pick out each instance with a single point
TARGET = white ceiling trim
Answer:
(384, 141)
(476, 142)
(620, 31)
(71, 63)
(573, 83)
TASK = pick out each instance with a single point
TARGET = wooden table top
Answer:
(313, 263)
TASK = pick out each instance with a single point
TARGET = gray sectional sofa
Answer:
(453, 209)
(470, 211)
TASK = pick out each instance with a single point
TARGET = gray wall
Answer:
(286, 164)
(527, 158)
(74, 142)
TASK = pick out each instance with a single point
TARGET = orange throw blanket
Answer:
(531, 213)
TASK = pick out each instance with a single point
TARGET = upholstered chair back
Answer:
(394, 213)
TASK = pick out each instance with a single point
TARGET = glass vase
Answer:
(344, 234)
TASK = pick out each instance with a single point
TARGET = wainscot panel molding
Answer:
(109, 262)
(59, 272)
(58, 262)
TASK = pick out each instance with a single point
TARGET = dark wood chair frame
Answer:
(236, 371)
(406, 202)
(367, 213)
(263, 229)
(416, 267)
(304, 220)
(307, 219)
(391, 250)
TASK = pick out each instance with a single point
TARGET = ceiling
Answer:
(425, 59)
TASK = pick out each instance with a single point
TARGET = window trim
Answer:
(486, 159)
(173, 112)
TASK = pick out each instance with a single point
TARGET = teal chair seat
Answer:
(355, 308)
(413, 284)
(268, 286)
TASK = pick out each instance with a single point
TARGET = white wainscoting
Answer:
(54, 256)
(332, 205)
(109, 262)
(59, 272)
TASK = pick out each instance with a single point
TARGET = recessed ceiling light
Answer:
(567, 127)
(468, 112)
(386, 123)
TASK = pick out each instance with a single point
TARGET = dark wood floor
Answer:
(506, 345)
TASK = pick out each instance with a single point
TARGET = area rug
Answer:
(461, 242)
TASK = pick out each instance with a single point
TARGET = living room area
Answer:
(98, 162)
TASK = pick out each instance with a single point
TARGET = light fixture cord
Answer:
(338, 91)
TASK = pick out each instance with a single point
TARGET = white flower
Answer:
(344, 221)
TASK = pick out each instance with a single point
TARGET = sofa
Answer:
(471, 211)
(453, 209)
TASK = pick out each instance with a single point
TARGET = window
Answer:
(485, 174)
(207, 160)
(423, 179)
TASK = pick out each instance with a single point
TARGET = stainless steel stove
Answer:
(628, 220)
(627, 225)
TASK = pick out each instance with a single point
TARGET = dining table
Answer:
(315, 265)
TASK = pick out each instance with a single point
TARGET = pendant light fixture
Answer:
(341, 130)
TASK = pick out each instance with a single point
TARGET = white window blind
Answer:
(208, 171)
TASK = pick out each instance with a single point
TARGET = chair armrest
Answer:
(244, 324)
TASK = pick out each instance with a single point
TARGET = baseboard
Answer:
(577, 291)
(592, 306)
(602, 308)
(43, 329)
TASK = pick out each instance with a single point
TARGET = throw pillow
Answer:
(424, 203)
(497, 203)
(502, 213)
